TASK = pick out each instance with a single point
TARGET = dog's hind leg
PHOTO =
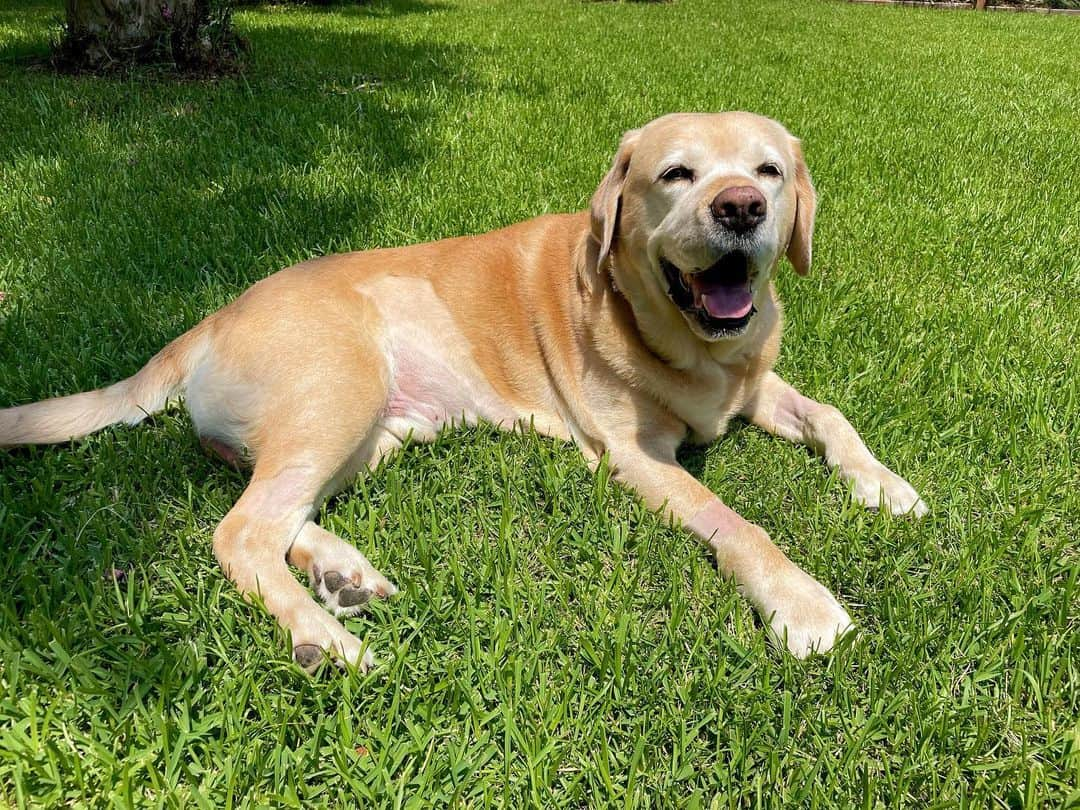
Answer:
(251, 544)
(343, 577)
(308, 435)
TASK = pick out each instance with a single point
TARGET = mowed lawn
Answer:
(554, 644)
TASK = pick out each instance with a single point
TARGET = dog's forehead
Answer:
(721, 136)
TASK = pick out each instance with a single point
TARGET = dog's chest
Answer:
(711, 396)
(707, 408)
(719, 385)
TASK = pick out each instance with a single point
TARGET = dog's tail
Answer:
(130, 400)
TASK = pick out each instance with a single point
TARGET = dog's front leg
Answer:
(799, 611)
(781, 410)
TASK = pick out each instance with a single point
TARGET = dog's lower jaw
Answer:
(715, 335)
(703, 324)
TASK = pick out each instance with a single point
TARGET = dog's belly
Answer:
(436, 381)
(432, 389)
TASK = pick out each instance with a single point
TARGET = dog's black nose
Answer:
(739, 209)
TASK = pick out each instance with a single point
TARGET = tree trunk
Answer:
(192, 34)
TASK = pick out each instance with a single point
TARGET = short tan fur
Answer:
(647, 320)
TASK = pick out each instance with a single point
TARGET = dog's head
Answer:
(701, 208)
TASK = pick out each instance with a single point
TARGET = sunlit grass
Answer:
(554, 645)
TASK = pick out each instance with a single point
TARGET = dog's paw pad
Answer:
(308, 656)
(347, 595)
(311, 657)
(350, 596)
(334, 581)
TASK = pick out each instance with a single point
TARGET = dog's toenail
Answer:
(334, 581)
(307, 655)
(353, 596)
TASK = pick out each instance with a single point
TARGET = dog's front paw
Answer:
(881, 487)
(804, 616)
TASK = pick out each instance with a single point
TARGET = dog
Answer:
(627, 329)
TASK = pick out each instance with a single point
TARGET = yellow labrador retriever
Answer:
(627, 329)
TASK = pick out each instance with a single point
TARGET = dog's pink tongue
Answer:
(726, 301)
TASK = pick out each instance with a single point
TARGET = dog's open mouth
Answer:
(719, 297)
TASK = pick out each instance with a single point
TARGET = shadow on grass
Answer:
(141, 206)
(138, 190)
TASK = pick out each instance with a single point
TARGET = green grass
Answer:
(554, 645)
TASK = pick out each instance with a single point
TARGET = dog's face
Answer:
(702, 207)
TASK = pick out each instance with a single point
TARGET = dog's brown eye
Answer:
(676, 173)
(770, 170)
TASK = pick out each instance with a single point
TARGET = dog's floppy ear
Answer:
(608, 197)
(800, 246)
